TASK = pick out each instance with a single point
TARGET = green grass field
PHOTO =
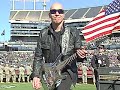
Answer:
(28, 86)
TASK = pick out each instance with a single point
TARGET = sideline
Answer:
(7, 86)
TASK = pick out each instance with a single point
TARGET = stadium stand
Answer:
(20, 15)
(69, 13)
(12, 14)
(92, 10)
(79, 13)
(44, 15)
(33, 16)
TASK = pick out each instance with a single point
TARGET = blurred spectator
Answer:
(84, 73)
(100, 59)
(13, 74)
(28, 72)
(7, 73)
(21, 73)
(1, 72)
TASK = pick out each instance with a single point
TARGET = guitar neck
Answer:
(62, 64)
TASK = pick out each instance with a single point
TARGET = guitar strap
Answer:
(65, 40)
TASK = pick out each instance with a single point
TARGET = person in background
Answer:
(28, 72)
(84, 73)
(1, 72)
(21, 73)
(99, 59)
(7, 73)
(13, 73)
(56, 39)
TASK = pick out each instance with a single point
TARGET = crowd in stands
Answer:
(112, 54)
(115, 40)
(17, 59)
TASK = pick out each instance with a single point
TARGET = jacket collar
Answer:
(51, 30)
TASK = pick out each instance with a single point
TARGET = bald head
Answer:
(56, 14)
(56, 6)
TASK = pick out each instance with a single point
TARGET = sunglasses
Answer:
(100, 48)
(53, 11)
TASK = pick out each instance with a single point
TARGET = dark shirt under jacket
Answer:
(56, 48)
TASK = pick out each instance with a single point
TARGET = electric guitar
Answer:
(51, 73)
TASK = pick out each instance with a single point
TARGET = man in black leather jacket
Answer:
(51, 42)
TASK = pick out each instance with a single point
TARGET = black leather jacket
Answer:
(45, 44)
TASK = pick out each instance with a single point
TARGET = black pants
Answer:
(65, 83)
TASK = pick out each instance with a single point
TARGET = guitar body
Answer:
(51, 73)
(51, 77)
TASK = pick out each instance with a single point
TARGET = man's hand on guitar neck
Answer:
(81, 53)
(36, 83)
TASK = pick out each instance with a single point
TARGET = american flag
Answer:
(104, 23)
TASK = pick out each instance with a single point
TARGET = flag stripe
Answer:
(93, 34)
(103, 20)
(100, 26)
(99, 29)
(98, 35)
(117, 26)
